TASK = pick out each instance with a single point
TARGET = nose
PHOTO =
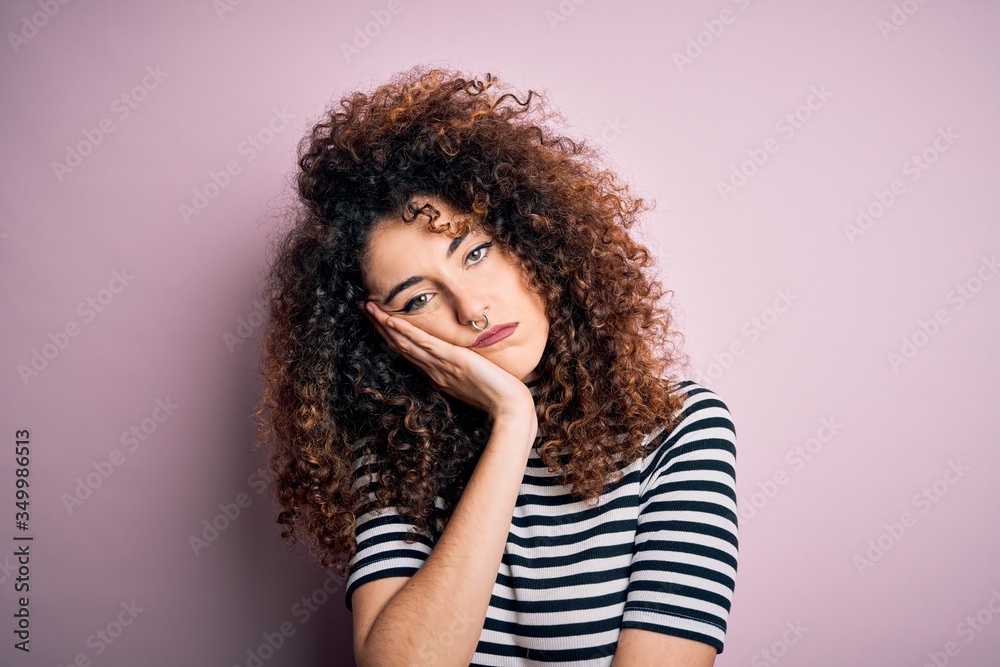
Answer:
(470, 304)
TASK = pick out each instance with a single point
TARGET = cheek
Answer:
(531, 306)
(432, 327)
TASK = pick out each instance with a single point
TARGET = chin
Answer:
(515, 362)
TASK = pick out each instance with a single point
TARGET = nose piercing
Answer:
(485, 327)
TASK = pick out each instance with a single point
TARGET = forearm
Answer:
(436, 618)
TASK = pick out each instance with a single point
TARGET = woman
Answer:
(475, 396)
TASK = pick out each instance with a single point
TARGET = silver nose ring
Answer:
(485, 327)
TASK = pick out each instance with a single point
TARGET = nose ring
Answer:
(485, 327)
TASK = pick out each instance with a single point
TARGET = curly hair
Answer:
(335, 396)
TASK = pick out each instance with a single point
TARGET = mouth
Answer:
(494, 334)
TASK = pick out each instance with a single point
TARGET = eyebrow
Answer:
(413, 280)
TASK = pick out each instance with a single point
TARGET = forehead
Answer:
(399, 249)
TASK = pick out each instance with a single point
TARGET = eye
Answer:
(409, 307)
(484, 247)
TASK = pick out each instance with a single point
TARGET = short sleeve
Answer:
(684, 561)
(381, 550)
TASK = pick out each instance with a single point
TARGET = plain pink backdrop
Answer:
(856, 371)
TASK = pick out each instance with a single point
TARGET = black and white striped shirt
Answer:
(658, 552)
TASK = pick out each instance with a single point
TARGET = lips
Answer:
(495, 333)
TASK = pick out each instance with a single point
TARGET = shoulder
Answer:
(702, 436)
(702, 407)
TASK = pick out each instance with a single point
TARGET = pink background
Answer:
(812, 373)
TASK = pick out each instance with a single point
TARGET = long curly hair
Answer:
(356, 427)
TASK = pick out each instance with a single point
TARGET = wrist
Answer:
(518, 426)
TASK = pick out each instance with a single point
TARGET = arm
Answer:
(436, 617)
(685, 559)
(645, 648)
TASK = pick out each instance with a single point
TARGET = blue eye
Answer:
(409, 307)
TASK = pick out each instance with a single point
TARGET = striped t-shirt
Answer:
(658, 552)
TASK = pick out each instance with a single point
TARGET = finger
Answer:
(376, 316)
(388, 323)
(381, 321)
(418, 339)
(405, 336)
(391, 338)
(399, 334)
(420, 347)
(387, 341)
(387, 335)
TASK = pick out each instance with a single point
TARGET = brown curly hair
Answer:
(334, 392)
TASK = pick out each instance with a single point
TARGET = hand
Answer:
(456, 370)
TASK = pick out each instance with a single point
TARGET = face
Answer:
(448, 283)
